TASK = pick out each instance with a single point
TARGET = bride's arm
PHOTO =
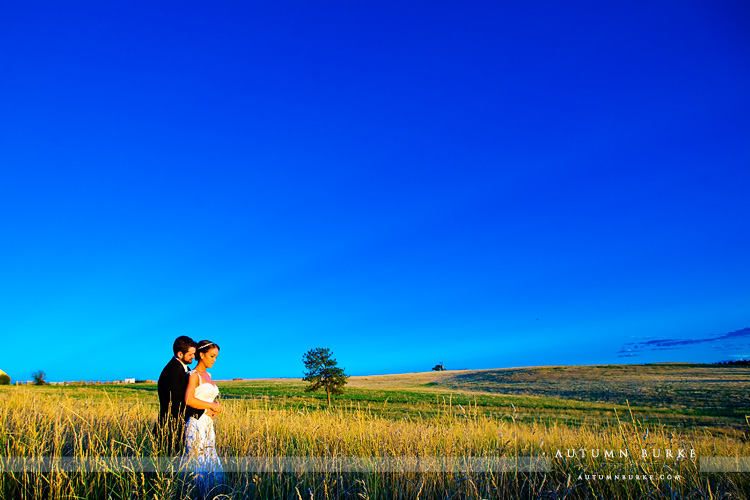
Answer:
(196, 403)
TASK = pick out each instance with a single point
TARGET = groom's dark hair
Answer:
(183, 344)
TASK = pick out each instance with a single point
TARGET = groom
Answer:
(172, 384)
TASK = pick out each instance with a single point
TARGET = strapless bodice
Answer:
(206, 392)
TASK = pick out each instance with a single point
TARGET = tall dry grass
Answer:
(37, 424)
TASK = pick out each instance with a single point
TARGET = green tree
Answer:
(4, 378)
(323, 372)
(39, 377)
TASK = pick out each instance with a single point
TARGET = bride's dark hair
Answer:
(204, 346)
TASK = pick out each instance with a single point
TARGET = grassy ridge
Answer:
(711, 390)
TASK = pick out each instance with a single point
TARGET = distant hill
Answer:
(741, 362)
(693, 387)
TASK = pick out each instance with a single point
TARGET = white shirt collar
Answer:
(182, 363)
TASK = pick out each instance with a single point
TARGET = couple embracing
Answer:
(187, 409)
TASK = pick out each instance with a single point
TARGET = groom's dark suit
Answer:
(173, 413)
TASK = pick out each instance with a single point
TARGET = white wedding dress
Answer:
(199, 458)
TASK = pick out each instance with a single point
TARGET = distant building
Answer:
(129, 381)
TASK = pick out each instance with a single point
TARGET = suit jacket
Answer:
(172, 385)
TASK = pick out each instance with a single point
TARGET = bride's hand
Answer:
(217, 407)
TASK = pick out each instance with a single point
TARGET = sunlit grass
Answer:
(269, 421)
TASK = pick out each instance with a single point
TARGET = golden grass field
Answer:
(454, 415)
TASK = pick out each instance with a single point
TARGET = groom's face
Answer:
(187, 357)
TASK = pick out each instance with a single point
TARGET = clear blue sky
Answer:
(487, 184)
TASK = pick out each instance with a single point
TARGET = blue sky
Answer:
(487, 185)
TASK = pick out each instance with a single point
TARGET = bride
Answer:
(199, 457)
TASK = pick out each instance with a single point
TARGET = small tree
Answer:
(4, 378)
(323, 372)
(39, 377)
